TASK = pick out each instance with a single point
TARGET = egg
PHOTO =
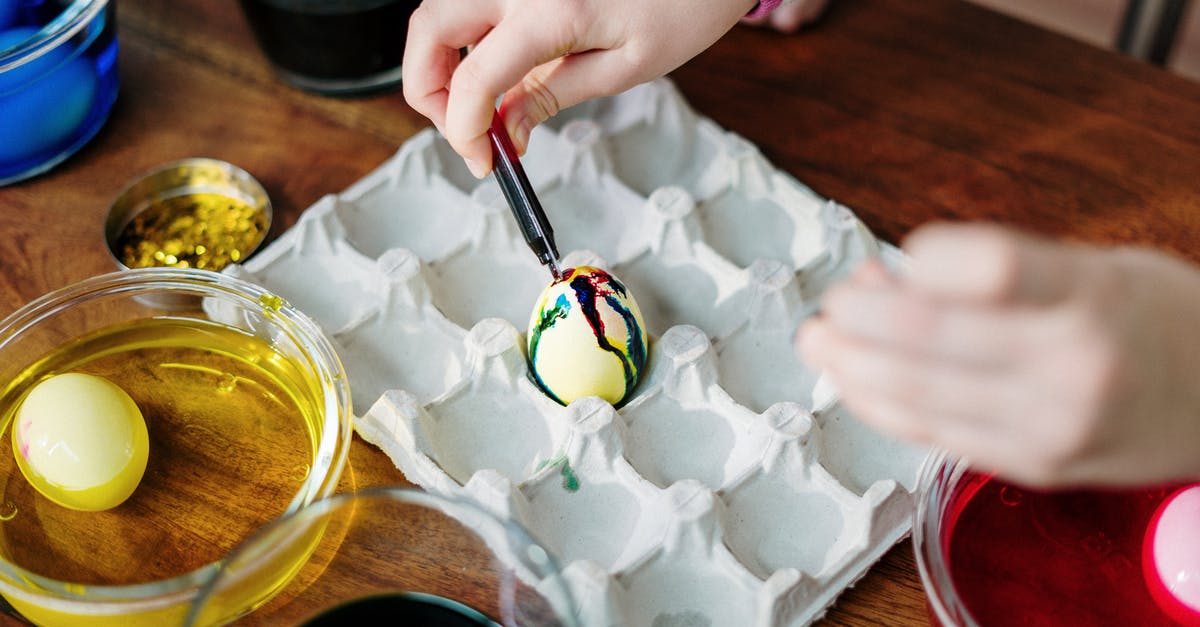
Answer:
(81, 441)
(1171, 555)
(44, 101)
(586, 337)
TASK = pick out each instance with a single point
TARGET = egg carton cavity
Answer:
(731, 487)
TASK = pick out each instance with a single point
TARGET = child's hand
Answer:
(543, 56)
(1052, 364)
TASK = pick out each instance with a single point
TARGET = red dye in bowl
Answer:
(992, 553)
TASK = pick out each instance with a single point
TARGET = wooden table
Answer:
(904, 111)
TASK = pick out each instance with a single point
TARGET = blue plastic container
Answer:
(58, 80)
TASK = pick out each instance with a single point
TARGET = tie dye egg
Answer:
(586, 337)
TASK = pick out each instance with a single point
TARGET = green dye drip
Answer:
(570, 480)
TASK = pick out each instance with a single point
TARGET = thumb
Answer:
(989, 263)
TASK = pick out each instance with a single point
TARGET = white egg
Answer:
(81, 441)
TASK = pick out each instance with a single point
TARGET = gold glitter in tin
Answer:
(201, 230)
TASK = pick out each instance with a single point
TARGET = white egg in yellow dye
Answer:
(586, 337)
(81, 441)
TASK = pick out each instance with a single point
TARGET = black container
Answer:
(333, 47)
(414, 610)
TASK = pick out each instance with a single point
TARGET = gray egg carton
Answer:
(732, 488)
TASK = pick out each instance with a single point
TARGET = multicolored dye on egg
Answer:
(586, 338)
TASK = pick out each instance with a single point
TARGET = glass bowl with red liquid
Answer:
(994, 553)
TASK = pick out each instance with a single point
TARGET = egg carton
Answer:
(732, 488)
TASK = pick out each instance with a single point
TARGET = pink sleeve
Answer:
(764, 7)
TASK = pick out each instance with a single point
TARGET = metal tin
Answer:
(199, 212)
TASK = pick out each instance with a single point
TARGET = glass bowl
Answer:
(991, 552)
(401, 553)
(58, 80)
(248, 413)
(937, 483)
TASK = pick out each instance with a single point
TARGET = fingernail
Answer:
(521, 134)
(476, 168)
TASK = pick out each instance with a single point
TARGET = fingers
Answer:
(989, 264)
(561, 83)
(1047, 363)
(930, 391)
(505, 57)
(989, 346)
(436, 33)
(459, 96)
(543, 55)
(974, 412)
(963, 334)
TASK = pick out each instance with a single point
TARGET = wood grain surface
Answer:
(904, 111)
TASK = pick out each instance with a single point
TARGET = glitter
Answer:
(196, 213)
(201, 230)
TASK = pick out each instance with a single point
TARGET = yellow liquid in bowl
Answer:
(233, 430)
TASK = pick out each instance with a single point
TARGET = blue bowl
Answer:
(58, 80)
